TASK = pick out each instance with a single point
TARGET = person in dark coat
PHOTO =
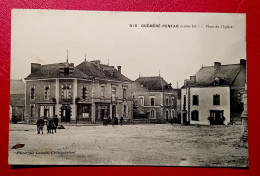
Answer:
(56, 122)
(121, 120)
(113, 121)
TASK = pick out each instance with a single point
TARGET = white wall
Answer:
(206, 102)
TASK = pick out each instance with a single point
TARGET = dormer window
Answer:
(84, 92)
(216, 81)
(66, 70)
(47, 92)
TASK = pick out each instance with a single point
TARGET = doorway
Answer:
(216, 117)
(113, 110)
(65, 113)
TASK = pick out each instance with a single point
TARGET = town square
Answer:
(116, 92)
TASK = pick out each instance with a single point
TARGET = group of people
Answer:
(51, 124)
(113, 121)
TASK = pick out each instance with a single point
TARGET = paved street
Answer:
(160, 144)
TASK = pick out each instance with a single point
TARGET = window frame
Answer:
(32, 88)
(84, 92)
(152, 97)
(141, 97)
(47, 92)
(216, 100)
(153, 115)
(193, 100)
(194, 116)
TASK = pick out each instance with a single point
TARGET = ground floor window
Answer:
(173, 113)
(167, 115)
(46, 111)
(195, 115)
(32, 110)
(125, 111)
(153, 114)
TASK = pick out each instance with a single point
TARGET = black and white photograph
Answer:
(103, 88)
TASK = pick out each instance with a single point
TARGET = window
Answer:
(47, 92)
(167, 101)
(66, 91)
(66, 69)
(32, 93)
(124, 93)
(195, 115)
(32, 110)
(152, 114)
(216, 81)
(102, 91)
(113, 94)
(84, 92)
(195, 100)
(216, 99)
(152, 99)
(173, 113)
(172, 101)
(124, 111)
(141, 101)
(85, 112)
(184, 102)
(167, 115)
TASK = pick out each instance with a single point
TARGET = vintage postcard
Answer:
(128, 88)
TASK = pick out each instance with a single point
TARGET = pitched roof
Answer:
(17, 87)
(152, 83)
(206, 75)
(17, 100)
(101, 71)
(52, 71)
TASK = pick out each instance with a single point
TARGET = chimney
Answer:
(192, 79)
(186, 82)
(119, 69)
(217, 65)
(242, 63)
(34, 67)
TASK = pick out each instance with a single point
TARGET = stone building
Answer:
(17, 99)
(85, 93)
(213, 95)
(154, 100)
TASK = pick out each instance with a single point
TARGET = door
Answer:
(67, 115)
(46, 113)
(114, 111)
(102, 114)
(216, 118)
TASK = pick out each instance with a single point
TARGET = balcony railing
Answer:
(66, 101)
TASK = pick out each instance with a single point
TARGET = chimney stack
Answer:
(186, 82)
(217, 65)
(119, 69)
(192, 79)
(34, 67)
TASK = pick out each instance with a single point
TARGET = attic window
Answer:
(66, 70)
(216, 81)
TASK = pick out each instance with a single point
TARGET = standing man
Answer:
(56, 122)
(121, 120)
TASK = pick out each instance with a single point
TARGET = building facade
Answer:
(17, 100)
(213, 95)
(154, 100)
(85, 93)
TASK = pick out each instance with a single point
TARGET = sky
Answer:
(176, 52)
